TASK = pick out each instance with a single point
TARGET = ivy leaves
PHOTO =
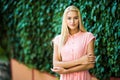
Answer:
(30, 26)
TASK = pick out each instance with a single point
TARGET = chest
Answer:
(74, 48)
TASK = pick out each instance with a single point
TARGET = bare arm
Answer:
(80, 67)
(57, 61)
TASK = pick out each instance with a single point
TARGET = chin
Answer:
(72, 27)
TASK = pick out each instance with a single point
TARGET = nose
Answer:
(72, 21)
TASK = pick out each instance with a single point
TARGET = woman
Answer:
(73, 53)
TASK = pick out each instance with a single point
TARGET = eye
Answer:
(69, 18)
(75, 17)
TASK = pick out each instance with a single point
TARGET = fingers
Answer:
(55, 69)
(88, 59)
(91, 58)
(58, 70)
(90, 54)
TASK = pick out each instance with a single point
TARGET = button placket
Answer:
(73, 47)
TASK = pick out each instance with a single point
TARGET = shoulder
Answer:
(88, 34)
(56, 39)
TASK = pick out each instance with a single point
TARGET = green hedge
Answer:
(29, 26)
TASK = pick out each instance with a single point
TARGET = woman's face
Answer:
(72, 20)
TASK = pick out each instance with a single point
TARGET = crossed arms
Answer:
(84, 63)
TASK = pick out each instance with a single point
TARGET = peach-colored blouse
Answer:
(75, 47)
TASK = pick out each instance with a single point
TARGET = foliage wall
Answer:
(27, 28)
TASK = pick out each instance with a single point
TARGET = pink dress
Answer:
(75, 47)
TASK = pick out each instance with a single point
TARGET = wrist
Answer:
(78, 61)
(67, 71)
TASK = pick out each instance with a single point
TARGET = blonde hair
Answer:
(64, 30)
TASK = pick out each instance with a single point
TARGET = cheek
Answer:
(68, 22)
(77, 21)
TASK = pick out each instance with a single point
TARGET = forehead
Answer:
(72, 13)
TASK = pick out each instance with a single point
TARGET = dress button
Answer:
(72, 50)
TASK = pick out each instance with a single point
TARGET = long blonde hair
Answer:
(64, 30)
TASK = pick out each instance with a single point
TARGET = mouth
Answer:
(72, 24)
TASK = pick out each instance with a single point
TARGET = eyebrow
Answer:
(76, 16)
(70, 16)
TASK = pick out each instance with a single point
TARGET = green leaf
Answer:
(114, 9)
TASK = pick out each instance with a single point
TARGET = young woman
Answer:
(74, 48)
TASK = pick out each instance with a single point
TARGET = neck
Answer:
(73, 31)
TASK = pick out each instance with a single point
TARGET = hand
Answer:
(59, 70)
(88, 59)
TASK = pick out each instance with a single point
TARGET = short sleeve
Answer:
(90, 37)
(56, 40)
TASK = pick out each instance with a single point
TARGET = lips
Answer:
(72, 25)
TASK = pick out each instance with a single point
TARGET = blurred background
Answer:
(28, 26)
